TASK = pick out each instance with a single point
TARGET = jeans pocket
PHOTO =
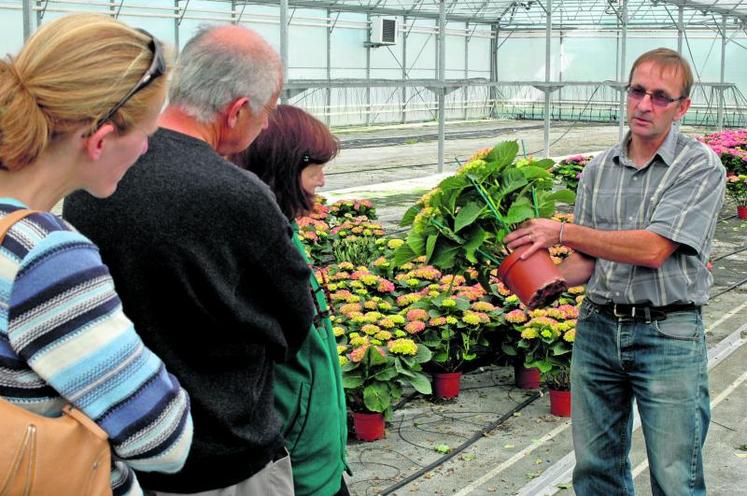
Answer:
(686, 326)
(586, 310)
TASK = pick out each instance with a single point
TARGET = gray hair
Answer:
(211, 73)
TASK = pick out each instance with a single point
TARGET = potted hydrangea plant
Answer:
(736, 189)
(462, 222)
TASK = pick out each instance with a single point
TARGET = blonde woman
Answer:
(76, 108)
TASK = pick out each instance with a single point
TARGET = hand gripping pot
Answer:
(61, 456)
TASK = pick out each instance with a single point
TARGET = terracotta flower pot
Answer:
(369, 426)
(560, 403)
(536, 280)
(446, 385)
(525, 378)
(742, 212)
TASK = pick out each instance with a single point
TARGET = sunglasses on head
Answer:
(156, 69)
(658, 97)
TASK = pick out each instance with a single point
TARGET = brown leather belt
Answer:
(644, 313)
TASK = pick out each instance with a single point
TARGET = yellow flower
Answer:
(343, 360)
(483, 306)
(397, 319)
(516, 316)
(358, 340)
(341, 348)
(383, 335)
(448, 302)
(451, 320)
(338, 331)
(369, 305)
(385, 306)
(471, 318)
(570, 336)
(403, 346)
(393, 244)
(529, 333)
(386, 323)
(370, 329)
(576, 290)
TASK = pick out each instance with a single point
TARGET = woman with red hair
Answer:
(290, 155)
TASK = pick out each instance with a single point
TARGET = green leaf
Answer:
(402, 255)
(442, 448)
(386, 374)
(410, 215)
(444, 256)
(467, 215)
(351, 381)
(429, 246)
(545, 163)
(532, 172)
(518, 213)
(474, 241)
(416, 242)
(562, 196)
(462, 304)
(503, 153)
(420, 383)
(373, 357)
(440, 357)
(423, 354)
(513, 180)
(377, 397)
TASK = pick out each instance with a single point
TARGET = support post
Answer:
(680, 27)
(441, 79)
(368, 70)
(495, 32)
(176, 25)
(28, 15)
(465, 88)
(723, 73)
(403, 117)
(328, 90)
(623, 47)
(548, 54)
(284, 45)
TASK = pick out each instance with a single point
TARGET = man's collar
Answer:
(666, 151)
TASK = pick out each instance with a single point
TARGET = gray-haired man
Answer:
(205, 265)
(644, 221)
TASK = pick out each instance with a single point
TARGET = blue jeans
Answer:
(663, 365)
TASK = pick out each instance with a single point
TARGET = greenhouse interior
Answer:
(445, 112)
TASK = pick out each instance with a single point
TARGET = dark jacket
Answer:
(310, 399)
(205, 265)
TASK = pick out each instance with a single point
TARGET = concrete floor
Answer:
(530, 452)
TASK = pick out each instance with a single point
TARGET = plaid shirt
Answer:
(678, 195)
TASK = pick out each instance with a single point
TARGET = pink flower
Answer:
(417, 314)
(415, 327)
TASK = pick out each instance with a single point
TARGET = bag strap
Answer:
(7, 222)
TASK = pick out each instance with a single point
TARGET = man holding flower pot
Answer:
(645, 216)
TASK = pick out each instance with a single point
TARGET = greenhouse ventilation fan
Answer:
(383, 31)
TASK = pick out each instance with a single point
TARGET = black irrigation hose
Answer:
(730, 288)
(744, 248)
(469, 442)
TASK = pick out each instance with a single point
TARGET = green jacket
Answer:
(311, 402)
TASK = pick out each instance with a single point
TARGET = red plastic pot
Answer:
(742, 211)
(368, 426)
(536, 280)
(560, 403)
(446, 385)
(525, 378)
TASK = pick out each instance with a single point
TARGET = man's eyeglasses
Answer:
(156, 69)
(658, 97)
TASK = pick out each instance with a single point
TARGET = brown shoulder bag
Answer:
(61, 456)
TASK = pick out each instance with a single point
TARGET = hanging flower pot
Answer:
(560, 403)
(536, 280)
(446, 385)
(525, 378)
(742, 212)
(368, 426)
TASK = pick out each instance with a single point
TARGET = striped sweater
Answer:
(64, 338)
